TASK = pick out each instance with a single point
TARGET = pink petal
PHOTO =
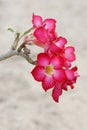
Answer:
(36, 20)
(48, 83)
(50, 24)
(41, 34)
(72, 87)
(54, 49)
(38, 43)
(69, 74)
(67, 64)
(59, 75)
(52, 35)
(57, 62)
(43, 59)
(64, 86)
(69, 53)
(61, 42)
(38, 73)
(74, 68)
(57, 91)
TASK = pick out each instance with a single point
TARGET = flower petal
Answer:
(61, 41)
(69, 74)
(41, 34)
(50, 24)
(36, 20)
(48, 83)
(38, 73)
(57, 62)
(57, 91)
(52, 35)
(67, 63)
(59, 75)
(55, 49)
(43, 59)
(69, 53)
(38, 43)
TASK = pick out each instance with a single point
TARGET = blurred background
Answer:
(23, 103)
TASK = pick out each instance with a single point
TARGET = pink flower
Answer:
(48, 70)
(48, 24)
(54, 66)
(44, 30)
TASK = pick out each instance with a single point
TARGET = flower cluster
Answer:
(54, 66)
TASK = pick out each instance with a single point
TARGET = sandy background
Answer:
(23, 103)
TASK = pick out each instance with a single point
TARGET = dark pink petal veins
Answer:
(38, 73)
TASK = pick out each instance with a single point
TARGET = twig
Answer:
(15, 52)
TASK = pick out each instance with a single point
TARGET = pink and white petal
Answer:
(36, 20)
(67, 64)
(69, 53)
(38, 43)
(59, 75)
(61, 42)
(69, 74)
(43, 59)
(57, 62)
(50, 24)
(41, 34)
(38, 73)
(56, 92)
(48, 82)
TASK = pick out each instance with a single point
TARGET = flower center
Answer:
(49, 70)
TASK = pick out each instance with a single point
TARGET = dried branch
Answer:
(15, 52)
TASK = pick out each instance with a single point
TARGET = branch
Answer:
(8, 55)
(15, 52)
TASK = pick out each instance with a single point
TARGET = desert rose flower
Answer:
(44, 30)
(48, 70)
(54, 66)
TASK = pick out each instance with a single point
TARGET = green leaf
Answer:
(26, 32)
(11, 30)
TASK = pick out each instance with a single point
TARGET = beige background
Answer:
(23, 103)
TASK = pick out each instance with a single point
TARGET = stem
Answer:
(8, 55)
(14, 46)
(20, 47)
(13, 53)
